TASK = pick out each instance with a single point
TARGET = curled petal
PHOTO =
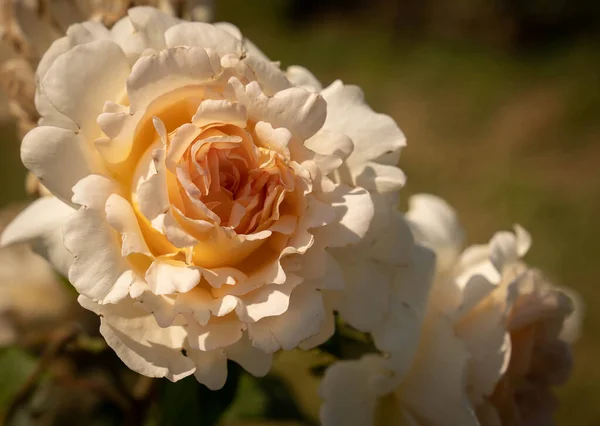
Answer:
(303, 319)
(169, 277)
(77, 83)
(140, 343)
(41, 224)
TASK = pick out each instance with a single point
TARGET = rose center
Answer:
(242, 185)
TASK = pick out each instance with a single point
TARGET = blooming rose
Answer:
(492, 343)
(198, 189)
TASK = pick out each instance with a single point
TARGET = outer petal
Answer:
(301, 112)
(351, 390)
(301, 77)
(203, 35)
(439, 371)
(166, 71)
(247, 45)
(41, 224)
(253, 360)
(348, 113)
(142, 345)
(303, 319)
(435, 225)
(99, 271)
(142, 29)
(59, 158)
(400, 330)
(211, 367)
(270, 300)
(81, 33)
(121, 217)
(483, 331)
(365, 299)
(81, 80)
(354, 211)
(165, 277)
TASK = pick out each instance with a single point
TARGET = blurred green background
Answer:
(500, 103)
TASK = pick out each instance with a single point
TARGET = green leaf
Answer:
(187, 402)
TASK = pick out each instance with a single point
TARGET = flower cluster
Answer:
(209, 206)
(496, 337)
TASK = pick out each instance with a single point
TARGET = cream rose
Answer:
(495, 338)
(199, 189)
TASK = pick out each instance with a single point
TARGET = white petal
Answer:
(503, 249)
(276, 139)
(170, 69)
(269, 300)
(140, 343)
(393, 240)
(203, 35)
(328, 327)
(41, 225)
(365, 298)
(173, 231)
(301, 77)
(142, 29)
(523, 240)
(435, 225)
(152, 194)
(86, 32)
(180, 141)
(301, 112)
(400, 330)
(349, 392)
(81, 80)
(98, 270)
(211, 367)
(165, 277)
(253, 360)
(354, 211)
(59, 158)
(215, 335)
(381, 178)
(327, 142)
(268, 74)
(248, 46)
(79, 33)
(120, 215)
(303, 319)
(93, 191)
(220, 111)
(374, 135)
(439, 370)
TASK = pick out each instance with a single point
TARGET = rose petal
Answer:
(301, 77)
(41, 225)
(348, 113)
(301, 112)
(253, 360)
(170, 69)
(59, 158)
(211, 367)
(304, 318)
(142, 29)
(78, 84)
(169, 277)
(140, 343)
(435, 225)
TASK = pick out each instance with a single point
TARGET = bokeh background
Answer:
(500, 102)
